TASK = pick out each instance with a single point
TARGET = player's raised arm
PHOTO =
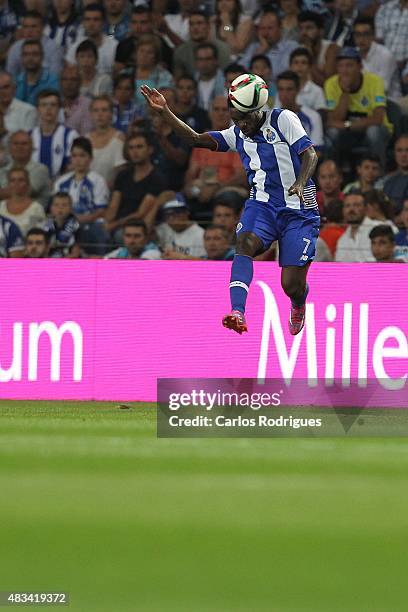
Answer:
(158, 103)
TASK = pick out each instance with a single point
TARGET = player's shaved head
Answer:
(248, 123)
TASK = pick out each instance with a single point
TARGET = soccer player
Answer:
(279, 160)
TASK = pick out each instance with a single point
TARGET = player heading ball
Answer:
(279, 160)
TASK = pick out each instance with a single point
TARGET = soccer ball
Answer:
(248, 92)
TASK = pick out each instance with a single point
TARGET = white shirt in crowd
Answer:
(311, 95)
(33, 216)
(179, 25)
(356, 248)
(381, 62)
(106, 53)
(106, 160)
(150, 252)
(20, 116)
(189, 242)
(205, 91)
(315, 127)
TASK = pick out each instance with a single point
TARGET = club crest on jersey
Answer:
(270, 135)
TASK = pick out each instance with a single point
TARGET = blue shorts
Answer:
(295, 230)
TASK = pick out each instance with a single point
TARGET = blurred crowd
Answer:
(86, 170)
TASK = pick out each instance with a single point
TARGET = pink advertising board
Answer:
(106, 330)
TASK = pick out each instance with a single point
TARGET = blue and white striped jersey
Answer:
(271, 158)
(53, 151)
(88, 195)
(10, 237)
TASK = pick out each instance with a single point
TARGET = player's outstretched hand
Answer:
(297, 189)
(155, 99)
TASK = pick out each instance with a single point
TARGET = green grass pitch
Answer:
(92, 503)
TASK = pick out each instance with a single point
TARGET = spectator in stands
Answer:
(376, 58)
(323, 51)
(8, 25)
(340, 26)
(141, 22)
(354, 245)
(231, 72)
(217, 244)
(34, 78)
(178, 235)
(136, 187)
(92, 22)
(269, 41)
(20, 149)
(51, 140)
(148, 69)
(379, 208)
(310, 94)
(11, 239)
(92, 83)
(391, 27)
(401, 239)
(90, 196)
(329, 178)
(62, 227)
(368, 172)
(209, 170)
(107, 142)
(383, 244)
(210, 79)
(63, 22)
(32, 28)
(200, 32)
(356, 103)
(290, 25)
(37, 244)
(232, 26)
(19, 206)
(334, 226)
(226, 215)
(288, 84)
(170, 154)
(136, 244)
(125, 109)
(261, 65)
(395, 185)
(75, 107)
(17, 115)
(323, 252)
(117, 18)
(178, 24)
(186, 105)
